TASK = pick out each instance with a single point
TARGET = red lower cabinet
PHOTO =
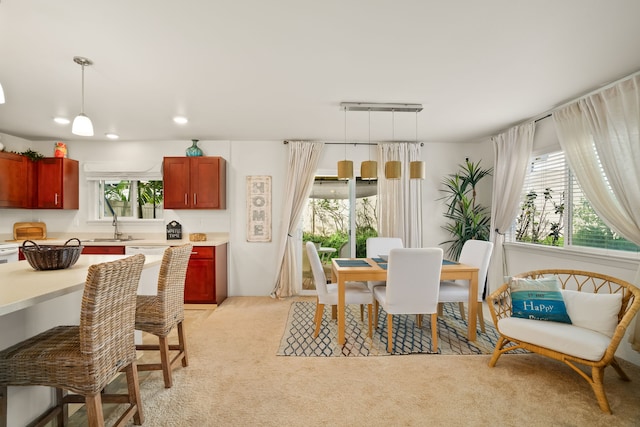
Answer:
(206, 281)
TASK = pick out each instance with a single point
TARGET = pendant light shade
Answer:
(82, 124)
(1, 95)
(369, 169)
(417, 170)
(345, 169)
(392, 169)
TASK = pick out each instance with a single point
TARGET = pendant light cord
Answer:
(82, 104)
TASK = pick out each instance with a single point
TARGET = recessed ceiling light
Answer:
(111, 135)
(61, 120)
(180, 120)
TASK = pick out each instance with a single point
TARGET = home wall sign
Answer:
(258, 208)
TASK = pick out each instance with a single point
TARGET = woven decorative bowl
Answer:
(51, 257)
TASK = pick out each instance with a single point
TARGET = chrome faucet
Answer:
(116, 233)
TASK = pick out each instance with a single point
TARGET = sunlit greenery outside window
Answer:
(555, 212)
(137, 199)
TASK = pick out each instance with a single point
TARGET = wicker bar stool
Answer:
(83, 359)
(159, 314)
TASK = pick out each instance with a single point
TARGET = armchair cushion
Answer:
(561, 337)
(538, 299)
(598, 312)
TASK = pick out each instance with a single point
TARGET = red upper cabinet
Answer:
(58, 183)
(194, 182)
(16, 181)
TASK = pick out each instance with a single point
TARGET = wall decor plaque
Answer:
(258, 208)
(174, 231)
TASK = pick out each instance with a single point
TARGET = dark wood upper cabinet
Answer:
(16, 181)
(58, 183)
(194, 182)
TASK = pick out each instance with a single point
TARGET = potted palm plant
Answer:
(467, 218)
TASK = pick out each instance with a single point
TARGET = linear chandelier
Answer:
(392, 168)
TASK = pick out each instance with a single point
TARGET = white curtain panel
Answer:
(600, 136)
(511, 152)
(303, 162)
(400, 200)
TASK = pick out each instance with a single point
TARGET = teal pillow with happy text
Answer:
(538, 299)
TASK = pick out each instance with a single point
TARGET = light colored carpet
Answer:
(236, 379)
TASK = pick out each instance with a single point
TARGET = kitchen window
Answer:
(133, 191)
(130, 199)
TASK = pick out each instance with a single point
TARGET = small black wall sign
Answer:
(174, 231)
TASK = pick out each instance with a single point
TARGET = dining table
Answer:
(375, 269)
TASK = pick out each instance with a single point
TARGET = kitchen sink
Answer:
(109, 239)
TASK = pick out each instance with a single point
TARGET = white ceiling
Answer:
(274, 70)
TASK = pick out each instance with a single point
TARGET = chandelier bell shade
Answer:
(417, 170)
(82, 124)
(393, 169)
(1, 95)
(345, 167)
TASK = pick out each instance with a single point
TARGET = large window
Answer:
(555, 212)
(132, 199)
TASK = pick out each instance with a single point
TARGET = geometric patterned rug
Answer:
(298, 340)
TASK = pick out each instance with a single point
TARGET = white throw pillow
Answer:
(598, 312)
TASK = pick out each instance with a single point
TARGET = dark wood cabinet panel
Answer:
(103, 250)
(16, 181)
(194, 182)
(206, 281)
(58, 183)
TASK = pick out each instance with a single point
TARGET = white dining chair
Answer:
(478, 254)
(355, 292)
(413, 283)
(377, 246)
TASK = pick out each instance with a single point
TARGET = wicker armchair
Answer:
(84, 359)
(159, 314)
(583, 281)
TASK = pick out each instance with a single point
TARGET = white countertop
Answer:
(21, 286)
(213, 239)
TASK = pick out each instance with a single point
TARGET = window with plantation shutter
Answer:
(555, 212)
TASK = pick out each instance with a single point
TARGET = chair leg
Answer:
(440, 311)
(361, 313)
(434, 332)
(133, 385)
(598, 388)
(93, 404)
(390, 333)
(319, 311)
(182, 343)
(461, 307)
(376, 308)
(63, 415)
(165, 361)
(623, 376)
(419, 320)
(370, 312)
(481, 317)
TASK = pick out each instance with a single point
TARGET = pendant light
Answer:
(345, 167)
(417, 169)
(82, 124)
(1, 95)
(369, 168)
(393, 168)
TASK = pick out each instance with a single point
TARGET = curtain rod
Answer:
(549, 113)
(366, 143)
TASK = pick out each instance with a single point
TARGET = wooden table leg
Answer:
(341, 308)
(473, 305)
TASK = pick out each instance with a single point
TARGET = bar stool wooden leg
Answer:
(165, 361)
(182, 342)
(133, 385)
(3, 406)
(93, 404)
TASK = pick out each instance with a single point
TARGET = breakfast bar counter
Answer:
(21, 286)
